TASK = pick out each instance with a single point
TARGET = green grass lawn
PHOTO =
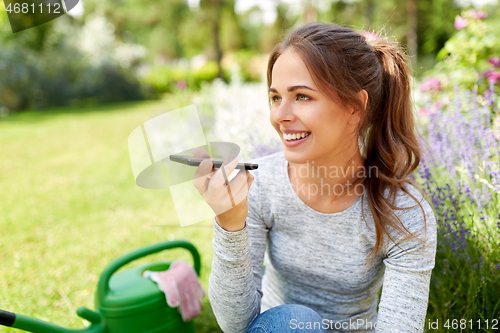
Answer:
(69, 206)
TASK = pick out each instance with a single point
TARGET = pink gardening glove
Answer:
(181, 287)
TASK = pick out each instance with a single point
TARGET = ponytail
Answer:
(391, 144)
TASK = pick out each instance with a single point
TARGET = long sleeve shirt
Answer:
(320, 260)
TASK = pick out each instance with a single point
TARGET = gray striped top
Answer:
(316, 259)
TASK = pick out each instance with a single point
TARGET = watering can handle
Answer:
(103, 285)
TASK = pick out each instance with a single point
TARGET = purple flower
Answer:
(423, 112)
(478, 14)
(488, 72)
(460, 23)
(494, 77)
(461, 136)
(498, 266)
(181, 84)
(431, 84)
(437, 105)
(495, 61)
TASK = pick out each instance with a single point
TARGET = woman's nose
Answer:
(282, 112)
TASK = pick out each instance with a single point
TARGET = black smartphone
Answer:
(195, 161)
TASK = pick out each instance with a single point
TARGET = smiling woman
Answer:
(339, 101)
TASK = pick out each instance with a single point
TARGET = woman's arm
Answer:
(408, 268)
(235, 281)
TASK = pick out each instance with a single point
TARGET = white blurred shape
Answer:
(78, 10)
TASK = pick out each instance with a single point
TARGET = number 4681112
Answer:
(463, 323)
(25, 8)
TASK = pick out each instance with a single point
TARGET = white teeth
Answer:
(296, 136)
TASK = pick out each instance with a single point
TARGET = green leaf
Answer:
(442, 53)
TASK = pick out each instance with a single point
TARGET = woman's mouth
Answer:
(292, 140)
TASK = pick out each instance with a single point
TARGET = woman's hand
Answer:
(228, 200)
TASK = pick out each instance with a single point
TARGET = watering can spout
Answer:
(39, 326)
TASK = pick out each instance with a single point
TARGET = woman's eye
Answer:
(299, 96)
(275, 99)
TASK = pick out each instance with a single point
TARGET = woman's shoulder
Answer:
(405, 199)
(411, 198)
(407, 205)
(413, 209)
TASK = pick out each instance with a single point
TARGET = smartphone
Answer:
(195, 161)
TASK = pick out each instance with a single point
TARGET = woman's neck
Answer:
(328, 180)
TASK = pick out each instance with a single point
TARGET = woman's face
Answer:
(299, 107)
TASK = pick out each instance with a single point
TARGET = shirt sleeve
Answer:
(408, 268)
(234, 288)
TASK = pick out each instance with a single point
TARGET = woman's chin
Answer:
(296, 157)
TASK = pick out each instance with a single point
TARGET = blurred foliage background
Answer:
(68, 201)
(118, 50)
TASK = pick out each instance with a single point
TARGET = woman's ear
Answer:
(363, 96)
(356, 112)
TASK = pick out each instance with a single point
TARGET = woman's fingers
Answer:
(220, 193)
(202, 175)
(239, 181)
(220, 178)
(198, 152)
(237, 190)
(242, 194)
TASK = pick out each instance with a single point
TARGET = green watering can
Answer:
(125, 302)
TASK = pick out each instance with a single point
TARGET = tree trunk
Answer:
(310, 12)
(411, 33)
(216, 25)
(370, 9)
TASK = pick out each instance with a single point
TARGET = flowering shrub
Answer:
(238, 112)
(431, 84)
(460, 172)
(470, 57)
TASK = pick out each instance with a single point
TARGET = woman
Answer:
(337, 210)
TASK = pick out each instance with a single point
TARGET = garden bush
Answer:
(470, 59)
(461, 175)
(73, 66)
(169, 78)
(246, 60)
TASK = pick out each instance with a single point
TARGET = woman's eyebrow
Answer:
(292, 88)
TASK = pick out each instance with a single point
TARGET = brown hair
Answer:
(343, 62)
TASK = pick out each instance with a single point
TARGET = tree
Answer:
(210, 15)
(273, 34)
(411, 31)
(154, 24)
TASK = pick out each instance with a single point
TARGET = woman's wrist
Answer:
(233, 219)
(229, 226)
